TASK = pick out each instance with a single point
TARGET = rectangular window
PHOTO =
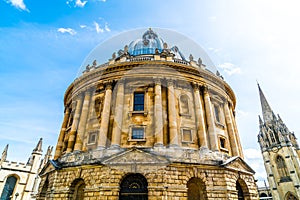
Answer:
(186, 135)
(222, 143)
(92, 138)
(138, 134)
(217, 113)
(138, 102)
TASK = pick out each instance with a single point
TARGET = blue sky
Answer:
(43, 44)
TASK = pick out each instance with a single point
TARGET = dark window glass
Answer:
(8, 188)
(138, 101)
(137, 133)
(222, 142)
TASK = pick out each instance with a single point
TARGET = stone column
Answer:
(102, 138)
(231, 132)
(236, 133)
(62, 134)
(158, 115)
(201, 127)
(74, 127)
(172, 115)
(213, 139)
(117, 127)
(83, 119)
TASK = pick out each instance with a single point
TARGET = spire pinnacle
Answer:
(266, 108)
(39, 146)
(4, 153)
(260, 121)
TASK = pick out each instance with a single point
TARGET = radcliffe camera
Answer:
(149, 100)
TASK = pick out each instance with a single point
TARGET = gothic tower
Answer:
(280, 153)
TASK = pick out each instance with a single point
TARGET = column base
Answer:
(158, 145)
(114, 146)
(100, 147)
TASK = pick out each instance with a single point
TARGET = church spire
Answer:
(266, 108)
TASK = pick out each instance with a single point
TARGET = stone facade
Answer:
(148, 125)
(280, 153)
(20, 180)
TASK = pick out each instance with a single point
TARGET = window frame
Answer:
(132, 128)
(135, 104)
(183, 129)
(91, 133)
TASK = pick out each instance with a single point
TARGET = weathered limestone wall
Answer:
(102, 182)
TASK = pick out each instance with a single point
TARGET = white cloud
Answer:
(67, 30)
(80, 3)
(83, 26)
(252, 153)
(230, 68)
(242, 113)
(106, 27)
(19, 4)
(98, 28)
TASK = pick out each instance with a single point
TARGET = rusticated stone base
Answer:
(169, 182)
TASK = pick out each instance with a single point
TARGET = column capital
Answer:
(170, 82)
(205, 89)
(121, 81)
(196, 86)
(108, 86)
(157, 81)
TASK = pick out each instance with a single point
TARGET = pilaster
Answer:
(74, 127)
(158, 116)
(83, 120)
(102, 138)
(118, 115)
(201, 130)
(172, 114)
(213, 139)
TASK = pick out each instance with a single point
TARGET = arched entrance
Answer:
(242, 190)
(134, 187)
(77, 190)
(196, 189)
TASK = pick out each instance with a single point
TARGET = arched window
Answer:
(77, 190)
(8, 188)
(196, 189)
(184, 105)
(282, 169)
(290, 196)
(242, 190)
(134, 186)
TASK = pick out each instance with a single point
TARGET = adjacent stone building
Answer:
(148, 124)
(19, 180)
(280, 153)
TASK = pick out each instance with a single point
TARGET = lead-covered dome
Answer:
(147, 44)
(140, 42)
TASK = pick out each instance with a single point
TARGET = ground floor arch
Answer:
(134, 187)
(196, 189)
